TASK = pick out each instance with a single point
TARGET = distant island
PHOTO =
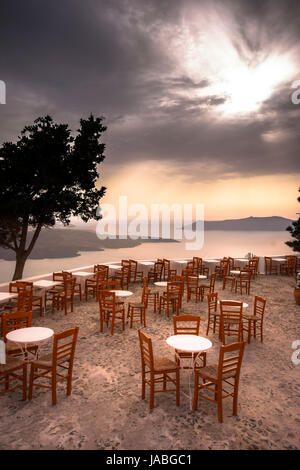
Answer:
(249, 224)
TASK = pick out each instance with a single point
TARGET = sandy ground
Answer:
(105, 410)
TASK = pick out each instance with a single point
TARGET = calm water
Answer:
(216, 244)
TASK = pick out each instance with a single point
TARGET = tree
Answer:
(294, 230)
(47, 176)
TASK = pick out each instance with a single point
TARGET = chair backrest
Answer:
(64, 344)
(146, 350)
(212, 281)
(24, 285)
(67, 274)
(107, 300)
(112, 284)
(69, 286)
(145, 281)
(174, 288)
(186, 324)
(197, 261)
(212, 300)
(231, 308)
(103, 269)
(230, 360)
(245, 275)
(14, 321)
(230, 262)
(158, 267)
(192, 280)
(145, 296)
(13, 287)
(58, 276)
(259, 306)
(24, 302)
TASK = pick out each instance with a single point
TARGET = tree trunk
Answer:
(20, 263)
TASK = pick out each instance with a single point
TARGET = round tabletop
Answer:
(33, 334)
(230, 300)
(161, 283)
(189, 343)
(121, 293)
(235, 271)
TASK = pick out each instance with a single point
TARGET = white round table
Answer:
(236, 301)
(26, 336)
(189, 343)
(161, 283)
(121, 293)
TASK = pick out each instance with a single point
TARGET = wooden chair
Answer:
(231, 319)
(177, 280)
(209, 287)
(170, 300)
(56, 366)
(37, 300)
(65, 297)
(153, 297)
(228, 278)
(225, 374)
(199, 267)
(103, 268)
(123, 276)
(77, 287)
(253, 267)
(221, 270)
(187, 325)
(254, 322)
(139, 309)
(155, 273)
(213, 317)
(289, 266)
(110, 311)
(157, 371)
(93, 284)
(168, 272)
(231, 265)
(14, 321)
(57, 277)
(136, 276)
(14, 370)
(270, 267)
(193, 287)
(244, 281)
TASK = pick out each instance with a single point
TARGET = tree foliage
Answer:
(48, 175)
(294, 230)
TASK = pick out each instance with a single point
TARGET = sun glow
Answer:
(205, 47)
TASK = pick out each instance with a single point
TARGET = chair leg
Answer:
(219, 402)
(31, 382)
(249, 331)
(53, 386)
(195, 398)
(24, 381)
(151, 405)
(178, 387)
(143, 386)
(235, 398)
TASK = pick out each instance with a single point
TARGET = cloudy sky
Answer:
(196, 94)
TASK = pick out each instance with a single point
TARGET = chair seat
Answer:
(13, 348)
(211, 373)
(45, 361)
(164, 363)
(136, 305)
(11, 363)
(251, 317)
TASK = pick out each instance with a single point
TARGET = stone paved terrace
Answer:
(105, 410)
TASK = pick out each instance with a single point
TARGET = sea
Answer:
(216, 245)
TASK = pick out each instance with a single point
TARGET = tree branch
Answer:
(34, 239)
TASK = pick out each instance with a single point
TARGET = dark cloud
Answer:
(70, 58)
